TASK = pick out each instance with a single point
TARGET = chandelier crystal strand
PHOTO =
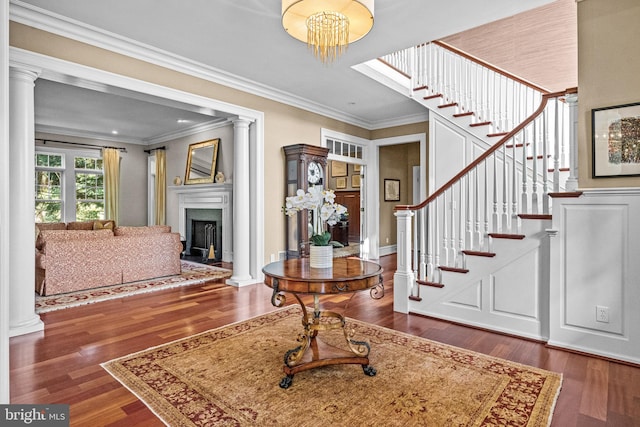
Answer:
(327, 35)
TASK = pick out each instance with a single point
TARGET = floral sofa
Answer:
(84, 255)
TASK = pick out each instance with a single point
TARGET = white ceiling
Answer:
(245, 39)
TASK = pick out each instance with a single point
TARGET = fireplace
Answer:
(205, 218)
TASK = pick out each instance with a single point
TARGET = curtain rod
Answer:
(154, 149)
(95, 147)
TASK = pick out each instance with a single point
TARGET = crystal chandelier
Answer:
(327, 26)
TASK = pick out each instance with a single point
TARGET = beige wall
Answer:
(284, 125)
(396, 162)
(609, 64)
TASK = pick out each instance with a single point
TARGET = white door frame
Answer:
(370, 233)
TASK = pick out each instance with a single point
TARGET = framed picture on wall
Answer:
(338, 168)
(615, 132)
(341, 183)
(391, 190)
(355, 181)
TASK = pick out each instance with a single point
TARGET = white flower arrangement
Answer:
(325, 211)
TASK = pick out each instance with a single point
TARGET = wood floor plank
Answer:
(62, 364)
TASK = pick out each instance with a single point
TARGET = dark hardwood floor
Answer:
(62, 364)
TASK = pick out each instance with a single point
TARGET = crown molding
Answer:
(199, 128)
(36, 17)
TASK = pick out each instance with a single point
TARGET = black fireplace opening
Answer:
(204, 239)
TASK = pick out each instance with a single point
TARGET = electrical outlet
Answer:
(602, 314)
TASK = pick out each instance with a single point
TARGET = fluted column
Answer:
(572, 180)
(22, 316)
(241, 205)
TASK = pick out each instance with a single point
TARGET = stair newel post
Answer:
(572, 182)
(403, 278)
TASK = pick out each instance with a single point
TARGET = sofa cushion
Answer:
(65, 235)
(89, 225)
(51, 225)
(139, 231)
(104, 225)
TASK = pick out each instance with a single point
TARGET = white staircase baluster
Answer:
(504, 224)
(545, 161)
(534, 177)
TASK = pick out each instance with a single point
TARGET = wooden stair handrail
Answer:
(489, 66)
(486, 154)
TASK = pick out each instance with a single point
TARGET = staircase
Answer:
(476, 251)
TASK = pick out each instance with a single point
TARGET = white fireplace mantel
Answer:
(208, 196)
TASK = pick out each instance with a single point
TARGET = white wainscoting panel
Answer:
(595, 261)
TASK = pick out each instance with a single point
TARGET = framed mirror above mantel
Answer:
(201, 162)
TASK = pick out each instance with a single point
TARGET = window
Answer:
(89, 189)
(67, 193)
(49, 170)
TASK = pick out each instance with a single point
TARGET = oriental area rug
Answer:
(230, 376)
(192, 273)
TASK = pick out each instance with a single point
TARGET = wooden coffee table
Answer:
(348, 276)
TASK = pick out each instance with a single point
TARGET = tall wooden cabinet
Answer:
(306, 166)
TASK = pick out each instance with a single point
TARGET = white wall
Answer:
(594, 262)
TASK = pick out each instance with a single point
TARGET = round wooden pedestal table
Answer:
(347, 276)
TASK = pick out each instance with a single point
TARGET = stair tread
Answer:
(468, 113)
(433, 96)
(415, 89)
(411, 297)
(427, 283)
(535, 216)
(480, 124)
(451, 104)
(507, 236)
(479, 253)
(491, 135)
(566, 194)
(453, 269)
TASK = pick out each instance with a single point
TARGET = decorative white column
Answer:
(572, 181)
(241, 205)
(4, 204)
(22, 316)
(403, 278)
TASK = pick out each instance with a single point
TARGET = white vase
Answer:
(321, 256)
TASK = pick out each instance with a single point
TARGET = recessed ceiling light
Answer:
(114, 132)
(184, 121)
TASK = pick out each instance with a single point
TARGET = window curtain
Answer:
(111, 162)
(161, 186)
